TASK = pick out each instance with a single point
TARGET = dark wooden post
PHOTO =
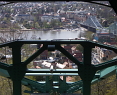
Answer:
(17, 70)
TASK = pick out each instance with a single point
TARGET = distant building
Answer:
(63, 19)
(75, 15)
(49, 18)
(80, 16)
(19, 17)
(72, 50)
(70, 14)
(106, 54)
(104, 37)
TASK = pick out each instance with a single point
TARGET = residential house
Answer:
(73, 51)
(70, 14)
(80, 16)
(19, 17)
(106, 54)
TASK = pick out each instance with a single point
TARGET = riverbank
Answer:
(8, 30)
(49, 29)
(46, 29)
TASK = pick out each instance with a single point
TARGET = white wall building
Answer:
(49, 18)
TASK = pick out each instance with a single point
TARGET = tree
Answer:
(37, 25)
(88, 35)
(79, 47)
(45, 25)
(55, 23)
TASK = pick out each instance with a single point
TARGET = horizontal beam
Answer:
(60, 41)
(51, 74)
(6, 44)
(52, 41)
(106, 64)
(58, 74)
(55, 82)
(110, 47)
(54, 71)
(4, 66)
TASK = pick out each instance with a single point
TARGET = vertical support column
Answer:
(16, 87)
(64, 83)
(116, 71)
(63, 86)
(17, 70)
(86, 87)
(86, 71)
(87, 55)
(87, 63)
(47, 86)
(116, 76)
(16, 51)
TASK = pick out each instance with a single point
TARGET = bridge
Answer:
(88, 72)
(91, 23)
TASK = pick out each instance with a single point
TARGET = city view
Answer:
(57, 21)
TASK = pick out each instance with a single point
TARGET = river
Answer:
(46, 35)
